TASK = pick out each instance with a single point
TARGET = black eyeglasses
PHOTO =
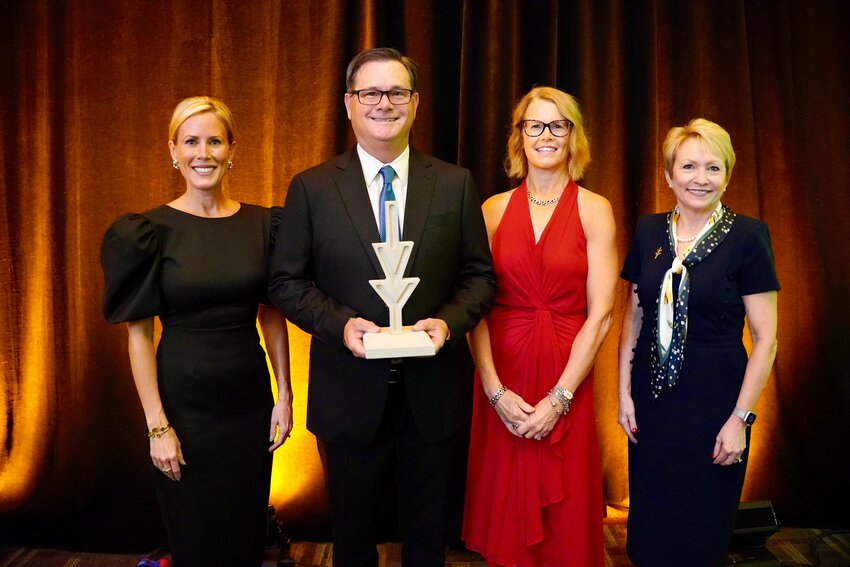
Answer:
(372, 97)
(558, 128)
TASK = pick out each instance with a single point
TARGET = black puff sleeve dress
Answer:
(204, 278)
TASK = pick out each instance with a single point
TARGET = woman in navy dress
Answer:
(687, 387)
(199, 263)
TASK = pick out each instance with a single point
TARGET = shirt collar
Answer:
(372, 166)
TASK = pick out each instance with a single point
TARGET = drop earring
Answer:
(175, 164)
(230, 164)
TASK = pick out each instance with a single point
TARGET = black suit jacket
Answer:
(319, 278)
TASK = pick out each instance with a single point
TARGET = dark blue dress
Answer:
(204, 278)
(682, 506)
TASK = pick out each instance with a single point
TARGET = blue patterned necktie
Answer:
(387, 194)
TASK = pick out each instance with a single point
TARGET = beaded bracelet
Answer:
(159, 431)
(497, 395)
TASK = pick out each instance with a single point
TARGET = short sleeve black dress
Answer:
(204, 278)
(682, 507)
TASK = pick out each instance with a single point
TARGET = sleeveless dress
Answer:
(536, 503)
(204, 278)
(682, 506)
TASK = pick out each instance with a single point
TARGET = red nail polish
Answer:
(634, 429)
(713, 455)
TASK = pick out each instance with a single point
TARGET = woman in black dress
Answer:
(199, 263)
(687, 388)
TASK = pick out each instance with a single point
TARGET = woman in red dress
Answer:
(534, 486)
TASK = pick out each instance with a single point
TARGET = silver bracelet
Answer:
(556, 405)
(497, 395)
(562, 395)
(563, 392)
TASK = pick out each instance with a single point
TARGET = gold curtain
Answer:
(87, 88)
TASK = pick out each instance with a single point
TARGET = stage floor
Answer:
(791, 546)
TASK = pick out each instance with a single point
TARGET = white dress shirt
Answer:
(374, 181)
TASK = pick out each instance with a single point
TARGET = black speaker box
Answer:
(754, 523)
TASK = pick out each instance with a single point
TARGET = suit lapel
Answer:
(420, 190)
(352, 190)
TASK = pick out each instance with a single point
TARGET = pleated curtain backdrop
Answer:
(86, 91)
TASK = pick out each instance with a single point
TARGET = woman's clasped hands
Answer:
(524, 420)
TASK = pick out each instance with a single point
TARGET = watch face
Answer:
(750, 418)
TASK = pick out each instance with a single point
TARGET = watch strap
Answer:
(747, 417)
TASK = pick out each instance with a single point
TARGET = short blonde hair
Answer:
(712, 136)
(189, 107)
(516, 164)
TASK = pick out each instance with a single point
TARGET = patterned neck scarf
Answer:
(671, 327)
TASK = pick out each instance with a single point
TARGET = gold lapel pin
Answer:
(657, 253)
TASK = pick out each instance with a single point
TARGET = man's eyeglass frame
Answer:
(360, 96)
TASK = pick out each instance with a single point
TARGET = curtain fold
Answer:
(87, 89)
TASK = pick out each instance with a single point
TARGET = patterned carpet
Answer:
(790, 546)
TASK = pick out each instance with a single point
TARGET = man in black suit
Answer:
(384, 421)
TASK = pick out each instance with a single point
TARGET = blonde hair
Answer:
(712, 136)
(189, 107)
(516, 164)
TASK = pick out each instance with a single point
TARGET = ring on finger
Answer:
(515, 426)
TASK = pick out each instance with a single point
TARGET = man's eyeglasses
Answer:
(558, 128)
(372, 97)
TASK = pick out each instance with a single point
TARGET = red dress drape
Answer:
(536, 503)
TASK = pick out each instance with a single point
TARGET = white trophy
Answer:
(395, 341)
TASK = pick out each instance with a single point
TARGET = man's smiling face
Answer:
(384, 127)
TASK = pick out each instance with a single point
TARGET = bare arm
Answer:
(510, 407)
(601, 284)
(762, 320)
(628, 341)
(600, 232)
(165, 451)
(276, 337)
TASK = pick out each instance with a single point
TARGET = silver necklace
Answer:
(545, 203)
(691, 239)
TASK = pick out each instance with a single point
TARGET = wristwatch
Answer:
(747, 417)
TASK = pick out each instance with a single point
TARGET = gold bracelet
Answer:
(159, 431)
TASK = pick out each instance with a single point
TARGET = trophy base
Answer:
(406, 344)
